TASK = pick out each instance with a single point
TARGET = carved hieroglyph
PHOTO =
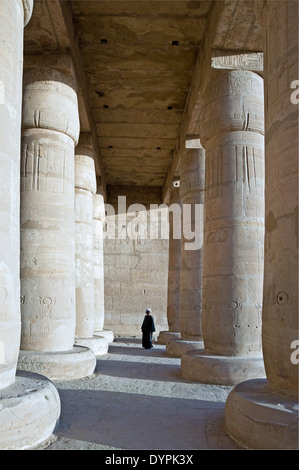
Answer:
(85, 188)
(232, 132)
(11, 69)
(263, 414)
(192, 195)
(50, 131)
(174, 263)
(280, 300)
(174, 266)
(29, 406)
(191, 253)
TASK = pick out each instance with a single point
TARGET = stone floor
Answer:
(137, 399)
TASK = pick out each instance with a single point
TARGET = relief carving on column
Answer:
(232, 132)
(8, 310)
(233, 102)
(237, 60)
(47, 167)
(50, 102)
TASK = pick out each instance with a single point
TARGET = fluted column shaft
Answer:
(50, 132)
(12, 19)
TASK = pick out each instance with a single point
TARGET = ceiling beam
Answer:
(222, 48)
(64, 8)
(192, 109)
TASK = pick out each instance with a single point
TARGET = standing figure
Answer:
(148, 327)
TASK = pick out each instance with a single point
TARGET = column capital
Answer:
(50, 101)
(85, 177)
(233, 100)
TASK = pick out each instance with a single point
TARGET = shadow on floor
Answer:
(139, 370)
(137, 400)
(135, 351)
(127, 340)
(134, 421)
(133, 347)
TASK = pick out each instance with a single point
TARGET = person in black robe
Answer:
(148, 327)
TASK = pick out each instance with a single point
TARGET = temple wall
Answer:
(136, 266)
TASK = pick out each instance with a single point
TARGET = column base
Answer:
(258, 418)
(97, 344)
(74, 364)
(177, 347)
(108, 334)
(29, 411)
(220, 370)
(165, 336)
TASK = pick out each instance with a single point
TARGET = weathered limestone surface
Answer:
(85, 189)
(191, 262)
(11, 51)
(32, 401)
(50, 132)
(138, 106)
(98, 250)
(29, 410)
(280, 301)
(264, 413)
(174, 263)
(232, 133)
(98, 221)
(135, 264)
(47, 211)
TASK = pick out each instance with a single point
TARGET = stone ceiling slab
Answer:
(139, 65)
(138, 58)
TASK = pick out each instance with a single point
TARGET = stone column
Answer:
(98, 249)
(232, 129)
(29, 405)
(192, 197)
(174, 264)
(85, 189)
(48, 304)
(263, 414)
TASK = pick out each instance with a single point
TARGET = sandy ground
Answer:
(137, 399)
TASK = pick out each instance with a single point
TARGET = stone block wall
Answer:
(136, 265)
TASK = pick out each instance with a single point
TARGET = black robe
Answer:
(148, 327)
